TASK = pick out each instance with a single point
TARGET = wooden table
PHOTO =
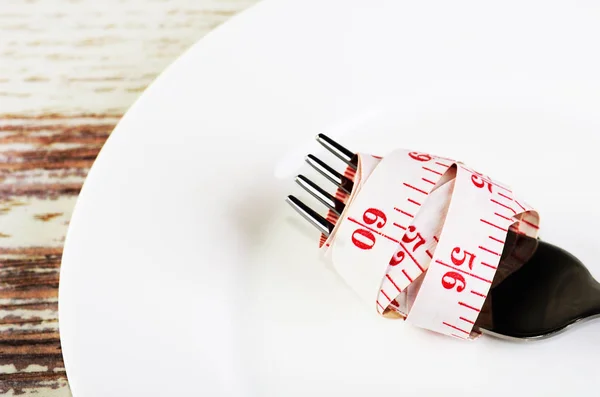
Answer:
(68, 70)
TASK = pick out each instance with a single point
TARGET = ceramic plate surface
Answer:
(184, 271)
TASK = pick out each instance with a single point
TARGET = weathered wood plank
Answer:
(40, 182)
(86, 56)
(36, 201)
(68, 70)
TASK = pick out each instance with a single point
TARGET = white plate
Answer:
(184, 271)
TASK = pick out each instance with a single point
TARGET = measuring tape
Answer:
(422, 236)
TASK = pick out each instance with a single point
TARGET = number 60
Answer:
(365, 239)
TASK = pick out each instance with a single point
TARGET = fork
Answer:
(548, 293)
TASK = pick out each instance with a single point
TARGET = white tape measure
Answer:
(422, 236)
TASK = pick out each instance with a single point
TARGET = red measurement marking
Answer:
(488, 265)
(436, 239)
(478, 294)
(392, 281)
(384, 294)
(469, 306)
(530, 224)
(341, 195)
(407, 276)
(467, 169)
(500, 186)
(502, 216)
(442, 164)
(379, 304)
(462, 271)
(496, 239)
(331, 216)
(377, 157)
(428, 181)
(400, 226)
(519, 204)
(486, 179)
(414, 188)
(404, 212)
(428, 254)
(488, 250)
(496, 226)
(412, 257)
(455, 327)
(505, 196)
(503, 205)
(430, 170)
(414, 202)
(467, 320)
(373, 230)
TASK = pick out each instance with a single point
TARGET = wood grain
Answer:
(68, 70)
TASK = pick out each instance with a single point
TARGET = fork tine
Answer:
(324, 197)
(338, 150)
(310, 215)
(341, 181)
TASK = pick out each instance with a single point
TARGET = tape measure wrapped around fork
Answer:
(421, 238)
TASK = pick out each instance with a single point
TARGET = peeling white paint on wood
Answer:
(81, 56)
(68, 70)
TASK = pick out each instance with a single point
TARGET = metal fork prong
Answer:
(338, 150)
(310, 215)
(321, 167)
(323, 196)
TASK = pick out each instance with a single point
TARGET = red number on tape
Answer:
(373, 215)
(459, 260)
(480, 182)
(397, 258)
(452, 279)
(411, 236)
(420, 156)
(363, 239)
